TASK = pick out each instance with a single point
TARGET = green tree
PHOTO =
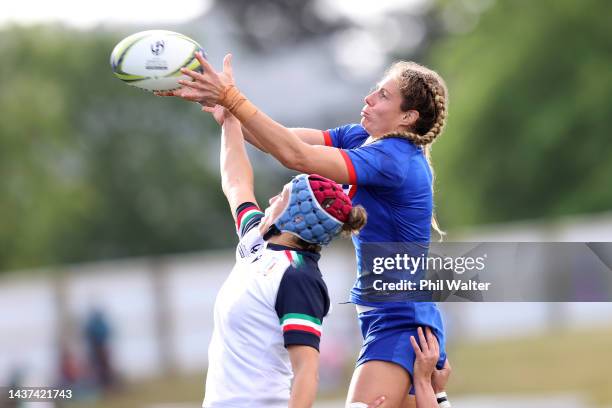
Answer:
(92, 168)
(528, 132)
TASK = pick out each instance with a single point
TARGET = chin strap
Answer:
(271, 232)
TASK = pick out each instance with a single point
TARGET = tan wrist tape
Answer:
(237, 103)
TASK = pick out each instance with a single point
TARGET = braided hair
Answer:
(424, 91)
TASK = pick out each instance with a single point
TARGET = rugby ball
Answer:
(152, 59)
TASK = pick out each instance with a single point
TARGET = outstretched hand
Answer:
(427, 353)
(218, 112)
(440, 377)
(207, 87)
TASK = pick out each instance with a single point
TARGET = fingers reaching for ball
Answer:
(204, 62)
(163, 93)
(205, 87)
(227, 68)
(193, 74)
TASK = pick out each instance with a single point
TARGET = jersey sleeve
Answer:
(345, 137)
(248, 216)
(301, 304)
(376, 164)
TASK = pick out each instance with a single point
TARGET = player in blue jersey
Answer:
(385, 160)
(269, 311)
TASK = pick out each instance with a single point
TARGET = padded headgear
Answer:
(316, 210)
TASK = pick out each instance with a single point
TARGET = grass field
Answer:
(561, 362)
(564, 362)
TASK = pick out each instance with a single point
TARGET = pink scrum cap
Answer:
(331, 197)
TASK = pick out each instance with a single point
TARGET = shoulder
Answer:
(355, 132)
(355, 129)
(346, 136)
(304, 280)
(305, 268)
(303, 272)
(396, 145)
(302, 302)
(393, 151)
(383, 162)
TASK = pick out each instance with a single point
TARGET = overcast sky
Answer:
(86, 14)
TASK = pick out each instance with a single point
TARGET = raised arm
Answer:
(427, 353)
(236, 170)
(210, 88)
(293, 152)
(309, 136)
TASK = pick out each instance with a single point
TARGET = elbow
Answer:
(287, 160)
(229, 186)
(297, 160)
(301, 166)
(225, 187)
(293, 155)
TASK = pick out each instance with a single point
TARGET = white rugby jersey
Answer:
(274, 297)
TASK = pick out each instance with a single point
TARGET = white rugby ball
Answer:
(152, 59)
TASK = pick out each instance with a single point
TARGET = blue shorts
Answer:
(386, 333)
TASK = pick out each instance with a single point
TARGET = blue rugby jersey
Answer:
(391, 179)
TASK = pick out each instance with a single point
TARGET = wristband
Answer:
(234, 101)
(443, 401)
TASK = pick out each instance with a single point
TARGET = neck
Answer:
(284, 239)
(374, 138)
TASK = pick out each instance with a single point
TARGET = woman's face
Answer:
(381, 113)
(278, 203)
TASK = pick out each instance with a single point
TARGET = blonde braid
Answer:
(440, 103)
(436, 90)
(440, 108)
(435, 131)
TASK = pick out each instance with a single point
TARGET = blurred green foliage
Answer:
(92, 168)
(530, 96)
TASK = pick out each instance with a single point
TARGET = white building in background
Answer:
(160, 309)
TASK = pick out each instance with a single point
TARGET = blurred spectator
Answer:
(97, 335)
(70, 370)
(15, 381)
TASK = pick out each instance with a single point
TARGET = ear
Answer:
(409, 118)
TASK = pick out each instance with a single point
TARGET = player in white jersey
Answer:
(268, 313)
